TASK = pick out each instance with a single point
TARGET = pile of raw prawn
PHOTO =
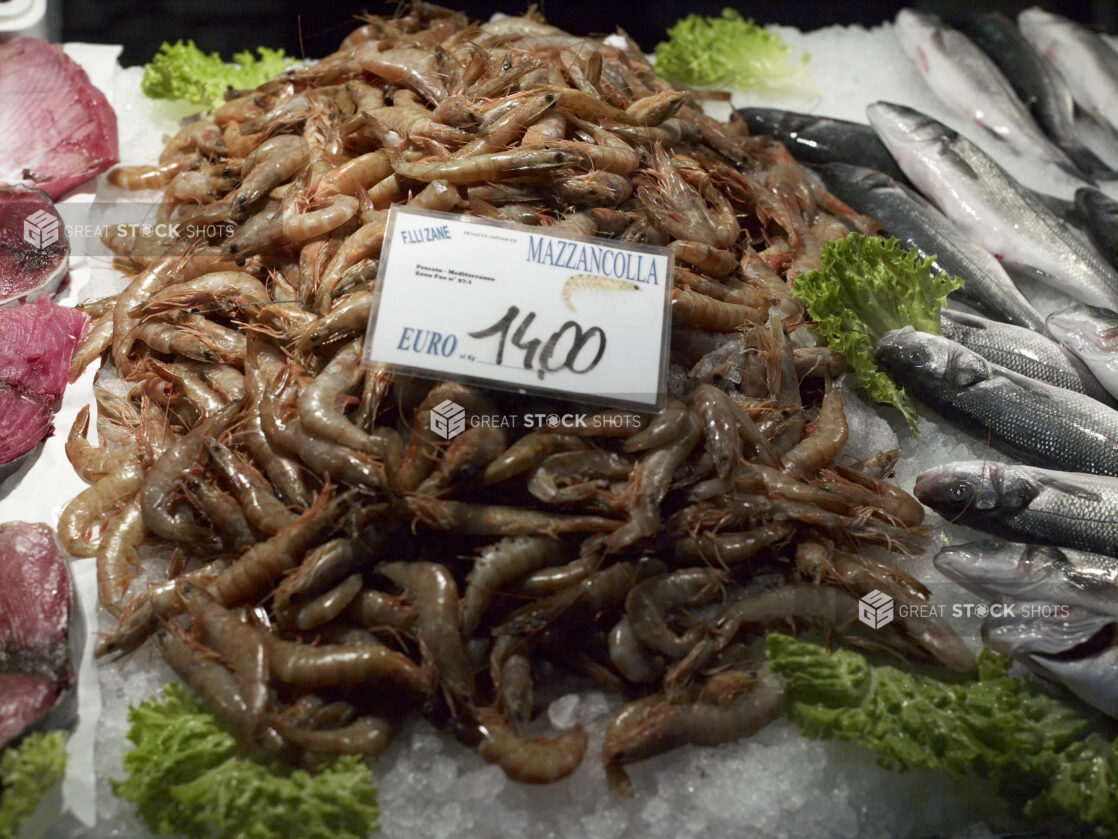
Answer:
(334, 564)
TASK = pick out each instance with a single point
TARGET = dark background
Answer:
(305, 28)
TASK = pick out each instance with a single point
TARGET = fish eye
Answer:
(960, 492)
(917, 357)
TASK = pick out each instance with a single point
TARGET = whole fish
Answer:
(1022, 351)
(1086, 62)
(1026, 504)
(1041, 424)
(917, 224)
(1092, 335)
(1039, 87)
(819, 140)
(1034, 573)
(980, 197)
(1052, 631)
(822, 140)
(969, 83)
(1072, 647)
(1100, 218)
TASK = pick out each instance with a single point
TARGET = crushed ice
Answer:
(777, 784)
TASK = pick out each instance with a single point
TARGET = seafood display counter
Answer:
(535, 605)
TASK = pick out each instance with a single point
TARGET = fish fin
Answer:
(1025, 382)
(1069, 488)
(1042, 390)
(1069, 168)
(966, 170)
(1086, 120)
(1088, 161)
(964, 153)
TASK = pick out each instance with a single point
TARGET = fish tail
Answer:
(1076, 172)
(1088, 162)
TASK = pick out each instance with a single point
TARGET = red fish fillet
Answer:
(41, 634)
(36, 344)
(56, 129)
(35, 589)
(24, 697)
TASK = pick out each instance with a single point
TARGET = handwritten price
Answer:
(580, 339)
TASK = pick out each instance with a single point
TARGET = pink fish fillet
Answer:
(35, 589)
(24, 697)
(37, 342)
(56, 129)
(37, 631)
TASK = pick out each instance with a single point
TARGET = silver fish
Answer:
(818, 140)
(1087, 63)
(1022, 351)
(1034, 573)
(1092, 334)
(1026, 504)
(1100, 218)
(968, 82)
(917, 224)
(980, 197)
(1072, 647)
(1044, 425)
(1039, 87)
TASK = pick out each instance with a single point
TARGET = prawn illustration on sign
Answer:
(593, 282)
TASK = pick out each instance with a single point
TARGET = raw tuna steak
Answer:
(40, 640)
(34, 251)
(35, 591)
(56, 129)
(36, 344)
(24, 698)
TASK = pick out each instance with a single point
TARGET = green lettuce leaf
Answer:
(182, 71)
(866, 287)
(1049, 757)
(27, 772)
(727, 51)
(185, 777)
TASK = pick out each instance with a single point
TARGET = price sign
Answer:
(514, 307)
